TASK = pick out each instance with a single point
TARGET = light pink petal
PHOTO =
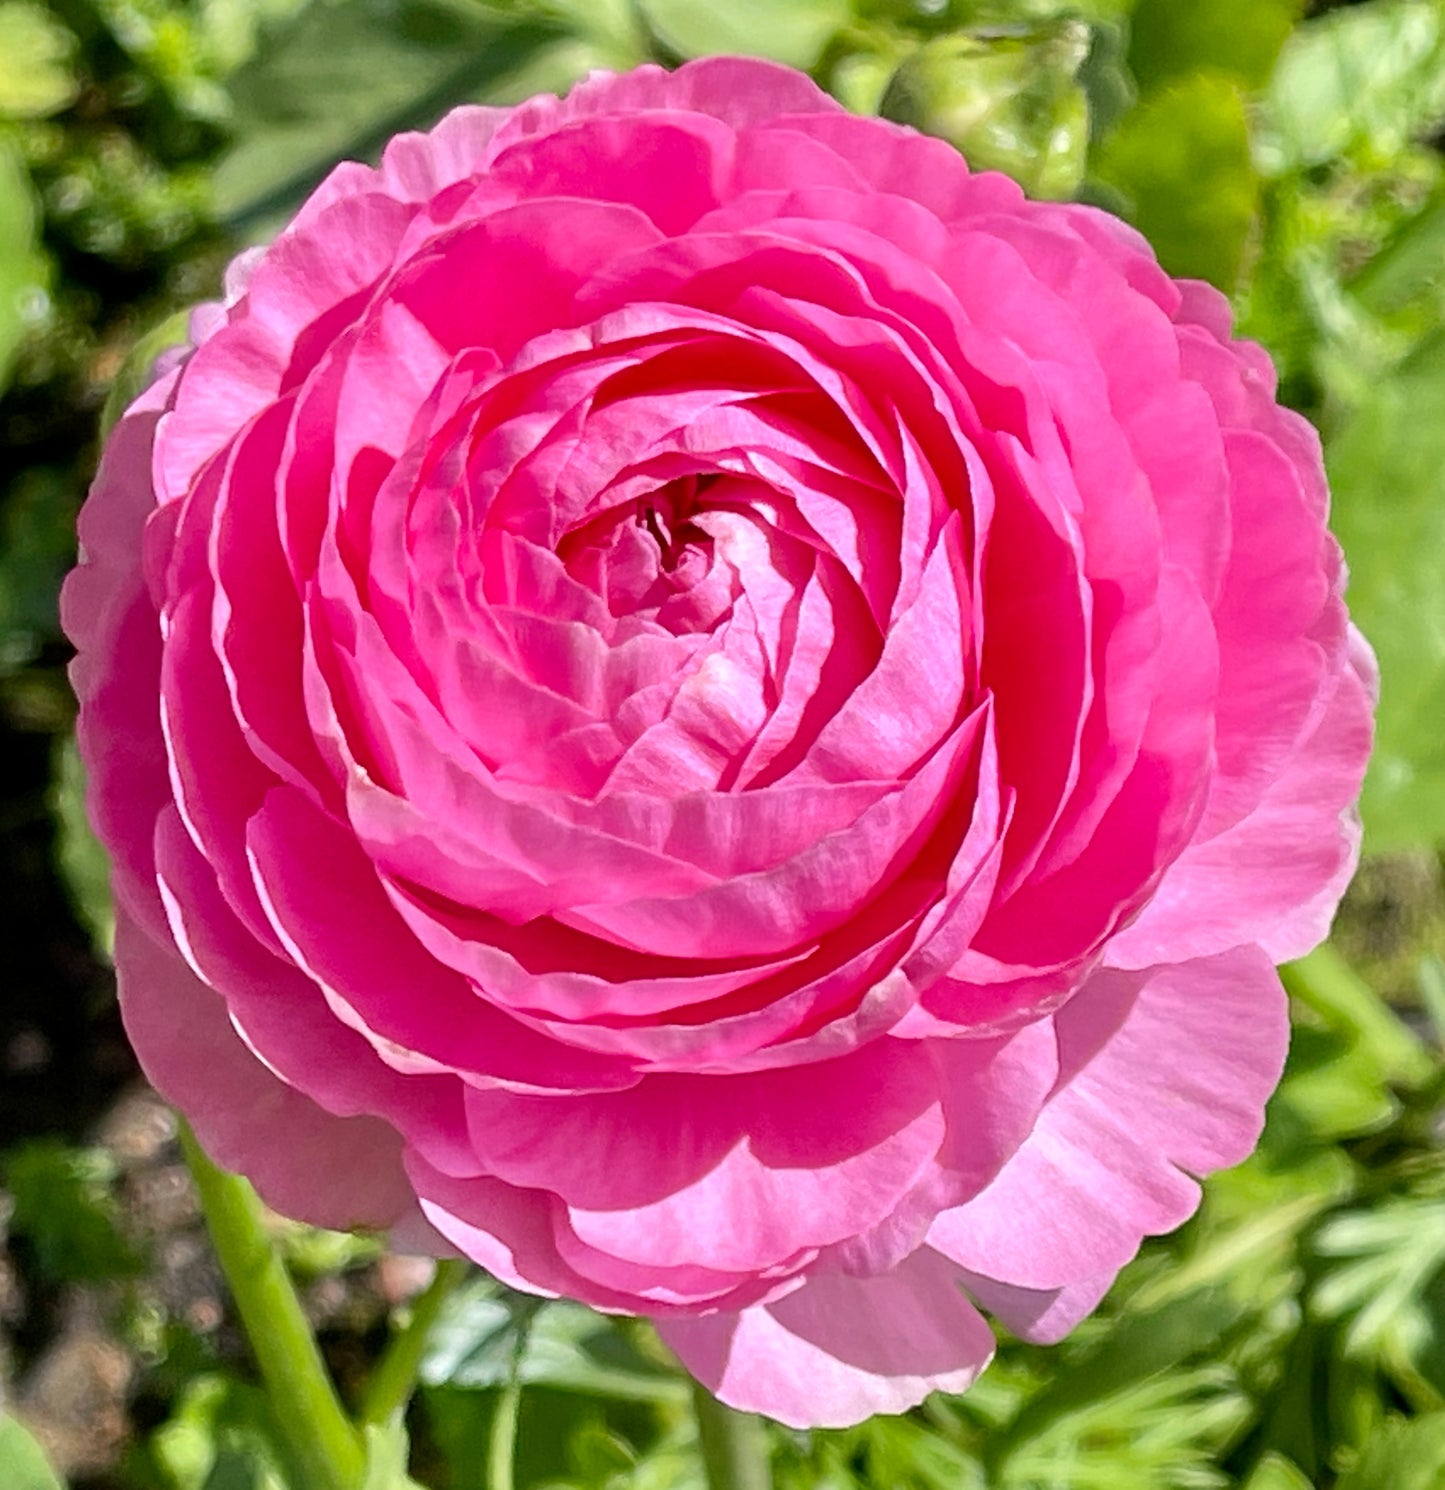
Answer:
(1041, 1316)
(1165, 1076)
(841, 1349)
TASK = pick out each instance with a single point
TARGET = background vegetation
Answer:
(1293, 1335)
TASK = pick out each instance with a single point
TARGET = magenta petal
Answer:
(724, 715)
(1275, 878)
(841, 1349)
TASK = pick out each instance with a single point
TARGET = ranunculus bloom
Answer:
(727, 714)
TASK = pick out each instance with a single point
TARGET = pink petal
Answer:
(340, 1172)
(841, 1349)
(1165, 1077)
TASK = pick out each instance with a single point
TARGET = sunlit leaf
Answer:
(1384, 1260)
(1181, 161)
(1242, 38)
(1385, 469)
(1363, 74)
(791, 31)
(36, 53)
(1275, 1472)
(23, 1465)
(1401, 1456)
(1011, 100)
(1328, 985)
(24, 272)
(1334, 1087)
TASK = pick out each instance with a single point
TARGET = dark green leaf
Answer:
(485, 1328)
(64, 1209)
(83, 863)
(37, 546)
(345, 75)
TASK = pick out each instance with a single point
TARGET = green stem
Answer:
(394, 1379)
(321, 1437)
(734, 1447)
(502, 1447)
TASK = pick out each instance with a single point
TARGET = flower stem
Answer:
(734, 1448)
(321, 1437)
(394, 1378)
(502, 1446)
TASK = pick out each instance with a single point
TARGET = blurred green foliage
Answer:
(1293, 1334)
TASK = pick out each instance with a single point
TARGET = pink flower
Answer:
(727, 715)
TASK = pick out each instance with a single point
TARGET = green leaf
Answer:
(35, 62)
(1275, 1472)
(345, 75)
(1167, 1429)
(23, 1464)
(37, 546)
(1364, 76)
(1334, 1087)
(1241, 38)
(1328, 985)
(1385, 464)
(1401, 1456)
(1384, 1261)
(1009, 99)
(222, 1435)
(1181, 160)
(387, 1447)
(1135, 1348)
(791, 31)
(83, 863)
(24, 272)
(64, 1208)
(139, 368)
(1410, 265)
(556, 1439)
(484, 1329)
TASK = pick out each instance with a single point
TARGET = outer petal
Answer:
(331, 1171)
(1275, 878)
(1041, 1316)
(1166, 1073)
(841, 1349)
